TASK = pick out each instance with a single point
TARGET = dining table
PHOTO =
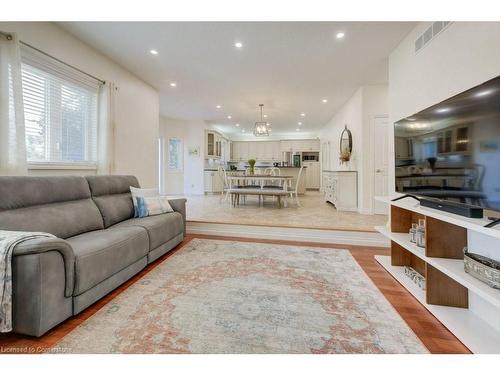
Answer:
(238, 183)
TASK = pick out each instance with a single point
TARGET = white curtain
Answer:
(12, 133)
(106, 129)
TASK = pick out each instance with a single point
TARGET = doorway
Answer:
(380, 163)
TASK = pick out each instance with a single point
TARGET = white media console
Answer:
(469, 308)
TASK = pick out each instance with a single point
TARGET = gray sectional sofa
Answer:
(99, 243)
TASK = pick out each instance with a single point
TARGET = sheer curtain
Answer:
(12, 133)
(106, 129)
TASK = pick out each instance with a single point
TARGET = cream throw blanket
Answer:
(8, 241)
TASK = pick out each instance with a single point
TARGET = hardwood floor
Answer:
(431, 332)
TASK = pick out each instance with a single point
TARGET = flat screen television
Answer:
(451, 151)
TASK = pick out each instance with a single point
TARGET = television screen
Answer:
(452, 150)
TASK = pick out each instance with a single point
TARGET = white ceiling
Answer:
(288, 66)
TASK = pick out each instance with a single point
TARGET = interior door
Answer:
(380, 164)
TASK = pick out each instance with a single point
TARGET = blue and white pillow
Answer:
(148, 202)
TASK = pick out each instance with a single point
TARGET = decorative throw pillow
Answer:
(148, 202)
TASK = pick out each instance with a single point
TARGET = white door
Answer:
(380, 164)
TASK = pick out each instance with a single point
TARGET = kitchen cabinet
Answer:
(298, 145)
(312, 174)
(212, 182)
(258, 150)
(213, 144)
(341, 189)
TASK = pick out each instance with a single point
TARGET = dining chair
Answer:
(225, 184)
(273, 171)
(295, 190)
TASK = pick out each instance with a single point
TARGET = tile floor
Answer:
(314, 212)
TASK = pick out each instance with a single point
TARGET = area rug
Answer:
(215, 296)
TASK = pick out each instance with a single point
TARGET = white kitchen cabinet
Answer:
(258, 150)
(253, 150)
(341, 189)
(212, 182)
(312, 175)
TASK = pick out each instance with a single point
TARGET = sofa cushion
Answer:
(112, 195)
(161, 228)
(58, 205)
(102, 253)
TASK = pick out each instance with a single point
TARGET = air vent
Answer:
(430, 34)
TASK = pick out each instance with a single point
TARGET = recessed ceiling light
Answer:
(298, 130)
(303, 115)
(265, 115)
(173, 84)
(243, 130)
(218, 106)
(153, 52)
(238, 45)
(324, 100)
(229, 117)
(237, 125)
(340, 35)
(299, 123)
(443, 110)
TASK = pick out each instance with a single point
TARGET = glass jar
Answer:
(421, 233)
(413, 233)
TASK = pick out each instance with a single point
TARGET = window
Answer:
(60, 111)
(175, 154)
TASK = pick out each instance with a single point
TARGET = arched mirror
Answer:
(346, 141)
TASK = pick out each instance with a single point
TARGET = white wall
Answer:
(462, 56)
(358, 113)
(192, 133)
(137, 103)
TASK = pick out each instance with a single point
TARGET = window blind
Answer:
(60, 110)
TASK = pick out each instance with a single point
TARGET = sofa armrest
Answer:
(179, 205)
(45, 244)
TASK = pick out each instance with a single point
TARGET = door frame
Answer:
(372, 158)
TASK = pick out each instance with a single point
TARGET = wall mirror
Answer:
(346, 141)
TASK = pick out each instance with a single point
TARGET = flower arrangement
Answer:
(345, 156)
(251, 164)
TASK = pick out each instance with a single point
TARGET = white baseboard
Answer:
(291, 234)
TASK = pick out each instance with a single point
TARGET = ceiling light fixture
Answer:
(261, 127)
(237, 125)
(153, 52)
(299, 123)
(243, 130)
(218, 106)
(324, 100)
(229, 117)
(340, 35)
(265, 115)
(173, 84)
(303, 115)
(238, 45)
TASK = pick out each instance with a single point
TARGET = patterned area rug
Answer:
(218, 296)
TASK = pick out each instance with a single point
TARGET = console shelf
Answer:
(474, 333)
(465, 305)
(454, 268)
